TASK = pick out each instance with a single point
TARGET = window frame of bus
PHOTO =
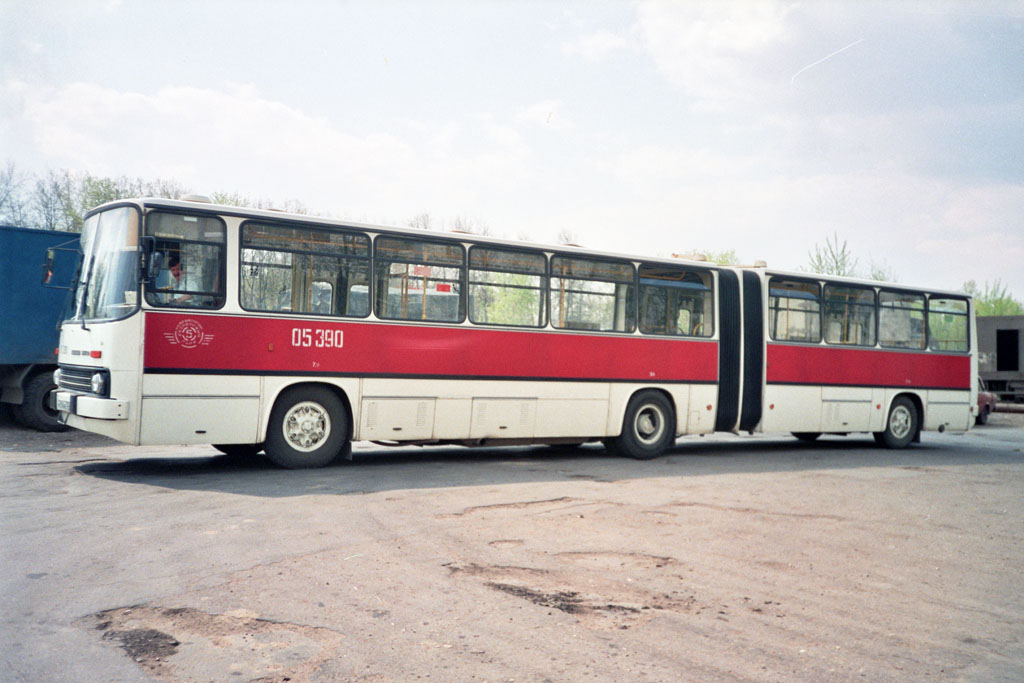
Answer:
(967, 321)
(803, 280)
(74, 303)
(874, 309)
(587, 257)
(924, 309)
(301, 225)
(543, 289)
(463, 294)
(700, 272)
(158, 210)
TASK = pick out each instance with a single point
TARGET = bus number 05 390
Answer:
(317, 337)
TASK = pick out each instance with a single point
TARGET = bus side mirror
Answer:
(152, 260)
(156, 262)
(48, 266)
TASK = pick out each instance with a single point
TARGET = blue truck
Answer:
(30, 316)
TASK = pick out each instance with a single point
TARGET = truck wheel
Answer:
(309, 427)
(34, 411)
(902, 425)
(648, 428)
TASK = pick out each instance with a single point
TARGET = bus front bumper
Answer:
(88, 406)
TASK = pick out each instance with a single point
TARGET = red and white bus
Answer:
(250, 330)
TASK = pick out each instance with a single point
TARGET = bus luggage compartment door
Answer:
(397, 419)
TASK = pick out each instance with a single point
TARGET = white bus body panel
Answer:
(702, 410)
(948, 410)
(789, 408)
(846, 409)
(198, 409)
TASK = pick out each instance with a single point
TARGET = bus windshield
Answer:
(108, 283)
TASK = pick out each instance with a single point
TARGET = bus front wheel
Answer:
(308, 427)
(648, 428)
(901, 426)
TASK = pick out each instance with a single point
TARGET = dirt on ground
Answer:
(756, 558)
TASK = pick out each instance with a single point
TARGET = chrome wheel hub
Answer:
(649, 424)
(306, 426)
(899, 422)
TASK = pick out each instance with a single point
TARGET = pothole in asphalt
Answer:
(188, 644)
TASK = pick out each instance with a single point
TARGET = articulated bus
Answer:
(257, 330)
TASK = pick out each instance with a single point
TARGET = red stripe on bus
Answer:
(226, 343)
(866, 367)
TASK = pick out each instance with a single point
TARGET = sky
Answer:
(649, 128)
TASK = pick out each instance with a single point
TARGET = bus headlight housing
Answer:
(56, 377)
(99, 384)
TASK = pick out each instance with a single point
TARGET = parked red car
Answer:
(986, 403)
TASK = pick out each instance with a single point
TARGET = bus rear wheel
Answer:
(901, 426)
(648, 428)
(308, 427)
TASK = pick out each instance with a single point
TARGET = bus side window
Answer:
(849, 315)
(675, 301)
(192, 260)
(947, 324)
(419, 280)
(901, 321)
(592, 295)
(506, 287)
(794, 309)
(304, 270)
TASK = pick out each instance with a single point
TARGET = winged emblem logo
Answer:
(188, 334)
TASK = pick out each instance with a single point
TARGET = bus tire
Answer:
(807, 436)
(648, 427)
(239, 450)
(309, 427)
(34, 412)
(902, 425)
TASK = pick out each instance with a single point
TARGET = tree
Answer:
(726, 257)
(881, 272)
(420, 221)
(236, 199)
(12, 205)
(994, 299)
(832, 259)
(61, 197)
(51, 206)
(568, 237)
(470, 225)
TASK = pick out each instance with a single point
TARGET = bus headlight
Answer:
(56, 377)
(99, 384)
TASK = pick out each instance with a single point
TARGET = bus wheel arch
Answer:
(648, 425)
(903, 422)
(310, 425)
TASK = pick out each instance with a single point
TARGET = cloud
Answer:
(193, 129)
(772, 201)
(237, 139)
(595, 46)
(547, 113)
(714, 51)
